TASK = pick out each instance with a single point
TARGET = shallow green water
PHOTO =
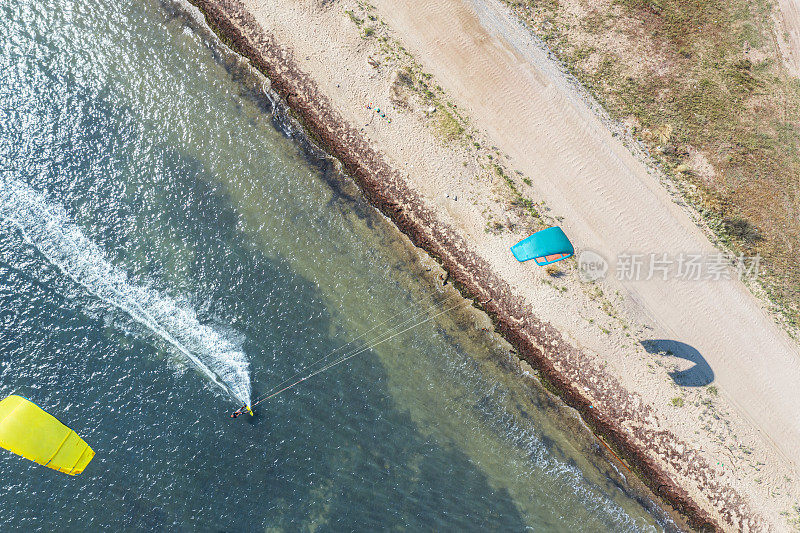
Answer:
(149, 204)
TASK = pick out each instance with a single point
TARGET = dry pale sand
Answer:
(788, 19)
(736, 453)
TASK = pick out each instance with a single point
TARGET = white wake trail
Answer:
(46, 226)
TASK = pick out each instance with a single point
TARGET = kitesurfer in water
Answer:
(241, 410)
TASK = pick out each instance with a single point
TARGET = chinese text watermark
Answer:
(632, 266)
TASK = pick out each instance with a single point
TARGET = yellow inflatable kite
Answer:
(27, 430)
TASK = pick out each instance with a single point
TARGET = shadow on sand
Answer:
(697, 375)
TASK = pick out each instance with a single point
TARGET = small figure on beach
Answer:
(378, 111)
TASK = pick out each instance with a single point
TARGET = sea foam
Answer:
(46, 226)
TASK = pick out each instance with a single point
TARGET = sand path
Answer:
(611, 202)
(789, 22)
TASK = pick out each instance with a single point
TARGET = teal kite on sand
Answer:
(544, 247)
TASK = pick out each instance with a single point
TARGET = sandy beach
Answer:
(636, 357)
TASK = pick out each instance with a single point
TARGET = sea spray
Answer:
(47, 227)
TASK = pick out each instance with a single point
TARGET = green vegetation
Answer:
(526, 204)
(793, 517)
(354, 18)
(677, 401)
(495, 228)
(448, 125)
(700, 83)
